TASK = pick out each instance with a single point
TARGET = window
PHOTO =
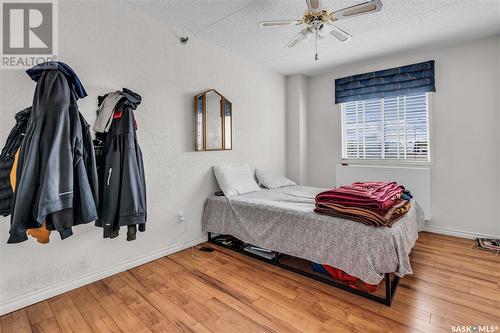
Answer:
(392, 128)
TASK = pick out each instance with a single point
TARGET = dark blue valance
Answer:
(406, 80)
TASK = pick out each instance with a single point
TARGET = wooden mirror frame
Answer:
(202, 146)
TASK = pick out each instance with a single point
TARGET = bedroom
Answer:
(285, 120)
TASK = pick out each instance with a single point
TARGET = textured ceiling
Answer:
(401, 25)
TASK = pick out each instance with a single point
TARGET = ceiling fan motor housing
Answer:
(314, 20)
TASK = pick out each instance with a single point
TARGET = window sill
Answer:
(386, 163)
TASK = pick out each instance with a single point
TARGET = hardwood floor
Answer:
(192, 291)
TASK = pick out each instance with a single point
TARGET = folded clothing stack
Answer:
(378, 204)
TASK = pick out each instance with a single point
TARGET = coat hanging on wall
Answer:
(7, 158)
(56, 170)
(8, 171)
(122, 184)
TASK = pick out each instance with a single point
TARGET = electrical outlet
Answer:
(180, 216)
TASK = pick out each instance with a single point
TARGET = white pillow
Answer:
(235, 180)
(270, 179)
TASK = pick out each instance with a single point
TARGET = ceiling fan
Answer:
(320, 22)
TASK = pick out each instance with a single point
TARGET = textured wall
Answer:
(112, 46)
(464, 122)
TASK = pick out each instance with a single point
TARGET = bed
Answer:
(283, 220)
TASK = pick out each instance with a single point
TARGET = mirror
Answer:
(214, 121)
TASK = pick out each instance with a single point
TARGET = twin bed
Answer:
(283, 220)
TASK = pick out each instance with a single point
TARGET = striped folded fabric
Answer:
(370, 195)
(377, 204)
(381, 218)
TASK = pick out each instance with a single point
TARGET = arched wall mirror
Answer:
(214, 121)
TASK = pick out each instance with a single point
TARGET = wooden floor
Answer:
(192, 291)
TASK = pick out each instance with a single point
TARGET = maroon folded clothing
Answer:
(369, 195)
(384, 218)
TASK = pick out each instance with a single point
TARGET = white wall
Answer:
(465, 121)
(296, 127)
(111, 46)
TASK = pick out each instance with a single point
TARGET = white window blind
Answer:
(393, 128)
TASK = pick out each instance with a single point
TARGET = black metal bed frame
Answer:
(390, 286)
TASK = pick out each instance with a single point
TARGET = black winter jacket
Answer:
(122, 182)
(7, 156)
(55, 181)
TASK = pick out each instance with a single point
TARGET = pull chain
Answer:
(316, 56)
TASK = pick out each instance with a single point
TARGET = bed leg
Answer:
(388, 289)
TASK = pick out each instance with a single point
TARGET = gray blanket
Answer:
(283, 220)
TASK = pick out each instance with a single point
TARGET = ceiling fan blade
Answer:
(314, 5)
(300, 37)
(368, 7)
(340, 34)
(279, 23)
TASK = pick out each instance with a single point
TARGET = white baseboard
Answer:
(457, 233)
(35, 296)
